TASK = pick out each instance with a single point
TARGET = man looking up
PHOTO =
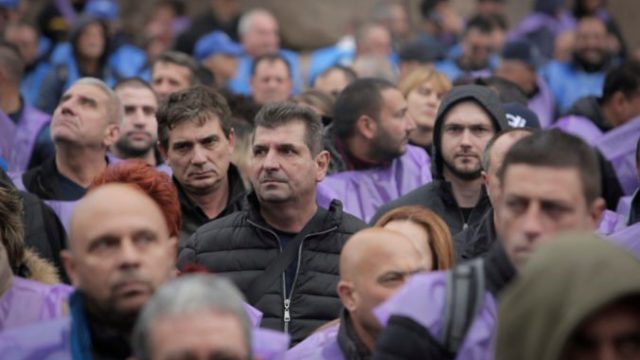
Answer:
(467, 118)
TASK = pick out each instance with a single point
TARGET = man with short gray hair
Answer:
(197, 316)
(84, 124)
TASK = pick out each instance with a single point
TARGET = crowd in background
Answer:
(400, 194)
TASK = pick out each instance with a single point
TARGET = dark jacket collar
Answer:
(498, 269)
(236, 194)
(349, 342)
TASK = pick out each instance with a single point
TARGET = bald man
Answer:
(120, 252)
(374, 264)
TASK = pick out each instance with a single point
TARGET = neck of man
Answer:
(366, 336)
(212, 202)
(10, 99)
(289, 217)
(422, 136)
(149, 157)
(466, 192)
(360, 149)
(80, 164)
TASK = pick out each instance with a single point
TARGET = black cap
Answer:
(519, 116)
(423, 50)
(523, 51)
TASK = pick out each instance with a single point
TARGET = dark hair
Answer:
(180, 59)
(134, 82)
(361, 97)
(11, 226)
(554, 148)
(198, 103)
(507, 91)
(277, 114)
(624, 78)
(348, 72)
(177, 6)
(270, 58)
(79, 26)
(481, 23)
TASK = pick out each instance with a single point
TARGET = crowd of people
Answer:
(461, 189)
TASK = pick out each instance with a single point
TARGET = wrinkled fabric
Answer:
(543, 104)
(628, 238)
(269, 344)
(563, 283)
(619, 147)
(321, 345)
(28, 302)
(580, 127)
(7, 134)
(28, 128)
(542, 29)
(611, 222)
(362, 192)
(568, 83)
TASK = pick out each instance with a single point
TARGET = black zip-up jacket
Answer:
(438, 194)
(478, 239)
(242, 245)
(192, 215)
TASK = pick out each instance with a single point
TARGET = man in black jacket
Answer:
(467, 118)
(477, 239)
(197, 140)
(288, 162)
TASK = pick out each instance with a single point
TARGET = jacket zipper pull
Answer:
(287, 315)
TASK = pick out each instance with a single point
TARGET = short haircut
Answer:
(318, 99)
(188, 294)
(246, 20)
(11, 63)
(270, 58)
(481, 23)
(154, 183)
(421, 75)
(347, 71)
(199, 104)
(486, 158)
(114, 107)
(11, 226)
(361, 97)
(180, 59)
(554, 148)
(132, 82)
(624, 78)
(507, 91)
(274, 115)
(440, 241)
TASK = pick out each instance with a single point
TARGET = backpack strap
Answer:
(465, 293)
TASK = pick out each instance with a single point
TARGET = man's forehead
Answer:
(467, 111)
(87, 91)
(136, 95)
(290, 133)
(563, 179)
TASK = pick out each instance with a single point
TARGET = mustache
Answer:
(273, 177)
(128, 277)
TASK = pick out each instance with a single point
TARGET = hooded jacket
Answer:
(438, 195)
(559, 289)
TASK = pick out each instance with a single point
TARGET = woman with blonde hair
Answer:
(428, 230)
(424, 88)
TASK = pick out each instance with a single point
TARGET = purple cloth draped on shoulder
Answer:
(611, 222)
(579, 126)
(619, 147)
(269, 344)
(538, 20)
(362, 192)
(629, 238)
(624, 205)
(29, 126)
(423, 298)
(7, 134)
(321, 345)
(29, 302)
(543, 104)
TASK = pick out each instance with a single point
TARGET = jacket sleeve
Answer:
(404, 338)
(187, 255)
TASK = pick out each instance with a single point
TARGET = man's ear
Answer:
(346, 294)
(366, 126)
(485, 178)
(322, 164)
(232, 140)
(70, 267)
(112, 133)
(597, 209)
